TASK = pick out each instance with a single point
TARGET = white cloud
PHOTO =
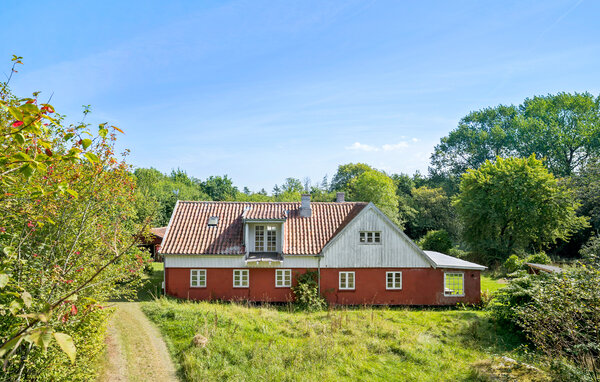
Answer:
(362, 147)
(397, 146)
(357, 146)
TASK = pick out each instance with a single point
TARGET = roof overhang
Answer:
(264, 259)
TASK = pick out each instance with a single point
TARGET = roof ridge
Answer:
(240, 202)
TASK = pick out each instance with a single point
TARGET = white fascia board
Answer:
(169, 225)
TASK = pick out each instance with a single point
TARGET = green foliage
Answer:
(347, 172)
(439, 241)
(68, 231)
(538, 258)
(563, 128)
(558, 312)
(587, 186)
(591, 251)
(433, 211)
(513, 264)
(563, 317)
(514, 205)
(376, 187)
(219, 188)
(306, 292)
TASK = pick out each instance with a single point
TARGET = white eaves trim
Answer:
(445, 261)
(373, 207)
(169, 225)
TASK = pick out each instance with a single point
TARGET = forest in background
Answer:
(555, 140)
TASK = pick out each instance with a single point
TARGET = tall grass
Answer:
(275, 344)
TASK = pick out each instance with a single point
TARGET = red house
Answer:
(252, 251)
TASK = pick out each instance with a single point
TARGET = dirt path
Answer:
(135, 349)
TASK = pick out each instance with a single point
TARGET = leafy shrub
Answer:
(563, 316)
(458, 253)
(306, 292)
(558, 312)
(512, 264)
(439, 241)
(591, 251)
(539, 258)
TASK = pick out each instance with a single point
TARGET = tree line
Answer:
(507, 180)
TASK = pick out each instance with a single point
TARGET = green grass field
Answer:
(274, 344)
(490, 284)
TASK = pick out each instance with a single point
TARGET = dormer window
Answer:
(265, 238)
(212, 221)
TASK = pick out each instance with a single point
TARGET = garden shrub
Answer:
(512, 264)
(306, 291)
(558, 312)
(563, 316)
(538, 258)
(439, 241)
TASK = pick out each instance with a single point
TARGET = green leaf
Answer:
(86, 143)
(27, 299)
(21, 157)
(103, 132)
(20, 138)
(27, 170)
(66, 344)
(4, 278)
(15, 342)
(91, 157)
(73, 193)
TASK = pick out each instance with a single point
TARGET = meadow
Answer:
(276, 343)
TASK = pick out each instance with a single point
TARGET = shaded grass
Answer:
(152, 283)
(271, 344)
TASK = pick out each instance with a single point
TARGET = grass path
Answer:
(135, 349)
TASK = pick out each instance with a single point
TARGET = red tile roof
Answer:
(189, 233)
(159, 231)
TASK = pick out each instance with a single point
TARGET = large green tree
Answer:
(514, 205)
(345, 173)
(564, 129)
(374, 186)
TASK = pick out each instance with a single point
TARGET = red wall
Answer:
(420, 286)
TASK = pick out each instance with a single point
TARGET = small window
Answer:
(454, 284)
(213, 221)
(198, 278)
(370, 237)
(271, 239)
(241, 278)
(393, 280)
(283, 278)
(346, 280)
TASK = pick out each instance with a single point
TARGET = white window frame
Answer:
(346, 286)
(241, 273)
(285, 276)
(365, 236)
(395, 280)
(200, 274)
(450, 294)
(268, 231)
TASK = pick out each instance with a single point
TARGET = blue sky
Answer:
(264, 90)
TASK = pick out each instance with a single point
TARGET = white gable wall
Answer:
(395, 250)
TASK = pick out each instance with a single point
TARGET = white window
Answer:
(271, 238)
(370, 237)
(262, 245)
(283, 278)
(346, 280)
(454, 284)
(259, 238)
(198, 278)
(241, 278)
(393, 280)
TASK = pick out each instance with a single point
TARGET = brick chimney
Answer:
(339, 197)
(305, 210)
